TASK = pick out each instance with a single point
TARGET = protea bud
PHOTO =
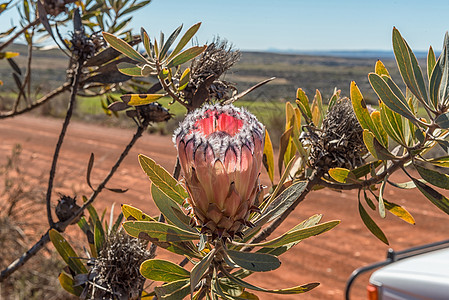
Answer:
(220, 149)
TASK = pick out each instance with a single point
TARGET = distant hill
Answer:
(380, 54)
(322, 70)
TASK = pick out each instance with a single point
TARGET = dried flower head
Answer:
(340, 141)
(66, 208)
(55, 7)
(115, 274)
(220, 150)
(205, 83)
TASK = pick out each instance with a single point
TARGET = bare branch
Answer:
(65, 125)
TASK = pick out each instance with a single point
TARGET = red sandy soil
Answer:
(329, 258)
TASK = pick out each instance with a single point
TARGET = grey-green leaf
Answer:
(200, 269)
(186, 55)
(170, 209)
(298, 235)
(169, 42)
(434, 196)
(294, 290)
(371, 225)
(185, 39)
(129, 69)
(443, 120)
(404, 63)
(123, 47)
(435, 178)
(163, 270)
(163, 180)
(158, 231)
(256, 262)
(174, 290)
(388, 97)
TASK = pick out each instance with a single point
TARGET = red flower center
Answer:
(214, 121)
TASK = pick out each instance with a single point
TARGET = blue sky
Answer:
(304, 25)
(297, 24)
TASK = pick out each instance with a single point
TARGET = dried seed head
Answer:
(66, 208)
(115, 274)
(220, 150)
(340, 141)
(55, 7)
(205, 83)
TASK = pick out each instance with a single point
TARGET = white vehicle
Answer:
(414, 274)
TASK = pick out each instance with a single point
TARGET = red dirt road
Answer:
(329, 258)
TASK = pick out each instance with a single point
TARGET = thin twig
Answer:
(8, 42)
(61, 226)
(65, 125)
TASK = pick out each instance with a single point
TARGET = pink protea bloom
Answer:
(220, 149)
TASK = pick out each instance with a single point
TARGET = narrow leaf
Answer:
(365, 169)
(99, 236)
(184, 80)
(186, 55)
(342, 175)
(89, 170)
(163, 180)
(434, 196)
(389, 98)
(185, 39)
(169, 42)
(42, 13)
(283, 147)
(440, 161)
(303, 104)
(123, 47)
(163, 270)
(399, 211)
(256, 262)
(133, 214)
(66, 252)
(170, 209)
(297, 235)
(380, 69)
(443, 121)
(371, 225)
(294, 290)
(403, 185)
(404, 63)
(435, 178)
(381, 198)
(431, 61)
(158, 231)
(140, 99)
(129, 69)
(68, 284)
(200, 269)
(14, 65)
(435, 81)
(174, 290)
(268, 156)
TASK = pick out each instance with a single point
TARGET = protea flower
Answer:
(220, 149)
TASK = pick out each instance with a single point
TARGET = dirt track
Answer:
(329, 258)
